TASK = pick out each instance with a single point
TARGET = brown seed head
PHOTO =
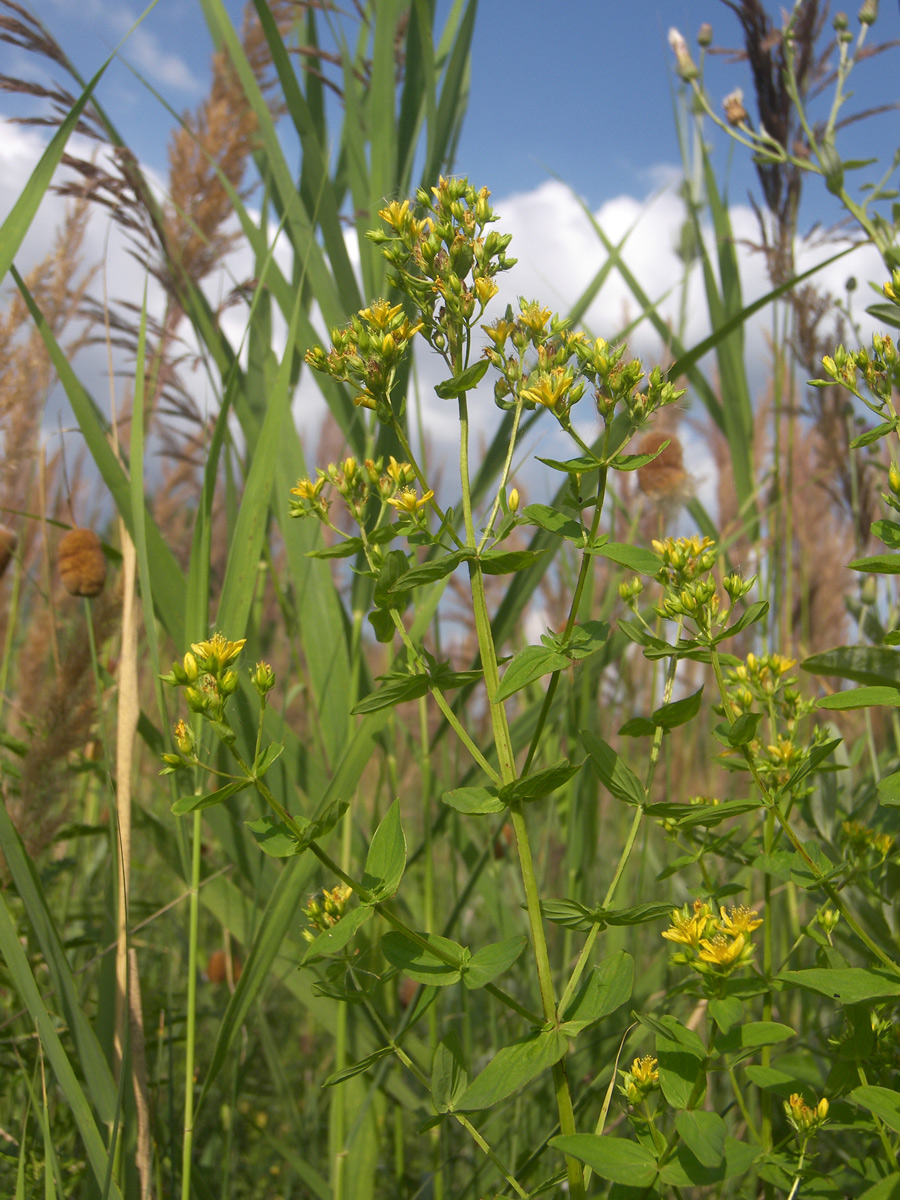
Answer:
(665, 477)
(217, 967)
(82, 563)
(8, 543)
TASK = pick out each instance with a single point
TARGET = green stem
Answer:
(191, 1015)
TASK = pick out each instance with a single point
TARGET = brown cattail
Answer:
(8, 543)
(217, 967)
(663, 479)
(82, 564)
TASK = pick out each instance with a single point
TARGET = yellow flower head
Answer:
(381, 313)
(689, 929)
(216, 652)
(408, 501)
(739, 920)
(720, 952)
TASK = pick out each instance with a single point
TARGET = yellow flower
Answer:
(381, 313)
(216, 652)
(719, 952)
(550, 388)
(740, 920)
(689, 930)
(407, 500)
(645, 1070)
(307, 490)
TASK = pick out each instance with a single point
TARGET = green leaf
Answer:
(887, 532)
(752, 1035)
(883, 1102)
(861, 697)
(331, 941)
(394, 567)
(554, 521)
(541, 783)
(507, 562)
(610, 1157)
(635, 558)
(429, 572)
(803, 874)
(888, 789)
(727, 1012)
(607, 988)
(186, 804)
(885, 1189)
(449, 1076)
(274, 837)
(690, 816)
(512, 1067)
(492, 960)
(573, 466)
(638, 727)
(679, 712)
(358, 1068)
(873, 435)
(704, 1135)
(849, 985)
(386, 860)
(449, 389)
(383, 626)
(423, 964)
(265, 760)
(743, 730)
(474, 800)
(684, 1169)
(754, 613)
(618, 778)
(679, 1071)
(345, 549)
(396, 690)
(863, 664)
(528, 665)
(877, 564)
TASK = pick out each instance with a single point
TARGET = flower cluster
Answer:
(877, 370)
(712, 945)
(207, 675)
(690, 591)
(358, 483)
(325, 912)
(865, 847)
(765, 682)
(445, 260)
(366, 354)
(641, 1080)
(803, 1119)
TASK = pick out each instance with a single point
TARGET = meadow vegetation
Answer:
(318, 877)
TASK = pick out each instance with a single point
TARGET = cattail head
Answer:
(82, 563)
(217, 967)
(8, 543)
(664, 480)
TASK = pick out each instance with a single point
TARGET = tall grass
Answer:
(167, 1029)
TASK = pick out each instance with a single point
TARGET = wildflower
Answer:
(735, 113)
(684, 64)
(689, 928)
(408, 501)
(739, 920)
(215, 653)
(805, 1120)
(720, 952)
(642, 1079)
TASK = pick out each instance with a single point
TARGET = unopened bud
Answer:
(514, 500)
(868, 14)
(705, 35)
(735, 113)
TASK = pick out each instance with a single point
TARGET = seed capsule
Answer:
(82, 563)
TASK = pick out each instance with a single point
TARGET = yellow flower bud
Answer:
(514, 500)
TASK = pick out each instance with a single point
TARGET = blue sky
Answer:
(581, 89)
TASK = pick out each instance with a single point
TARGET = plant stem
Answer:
(191, 1016)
